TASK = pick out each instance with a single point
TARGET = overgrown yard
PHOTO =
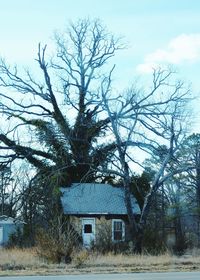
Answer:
(27, 262)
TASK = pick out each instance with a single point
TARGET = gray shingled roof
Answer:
(92, 198)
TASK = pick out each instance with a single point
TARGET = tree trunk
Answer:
(139, 240)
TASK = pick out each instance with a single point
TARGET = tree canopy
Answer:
(60, 111)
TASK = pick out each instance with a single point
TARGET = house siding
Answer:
(102, 225)
(8, 226)
(8, 229)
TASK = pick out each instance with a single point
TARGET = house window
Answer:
(118, 230)
(87, 228)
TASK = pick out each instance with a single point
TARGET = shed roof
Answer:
(93, 198)
(9, 220)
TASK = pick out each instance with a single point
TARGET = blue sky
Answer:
(158, 32)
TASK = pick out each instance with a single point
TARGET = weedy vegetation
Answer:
(28, 262)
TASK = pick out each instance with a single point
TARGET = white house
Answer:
(91, 204)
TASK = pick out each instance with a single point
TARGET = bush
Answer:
(153, 242)
(80, 258)
(57, 242)
(104, 244)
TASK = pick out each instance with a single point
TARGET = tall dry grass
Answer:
(129, 260)
(19, 258)
(27, 259)
(161, 262)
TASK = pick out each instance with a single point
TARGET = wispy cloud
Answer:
(184, 48)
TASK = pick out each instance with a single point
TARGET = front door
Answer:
(88, 231)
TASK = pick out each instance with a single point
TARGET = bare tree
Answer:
(5, 172)
(144, 122)
(189, 182)
(54, 121)
(11, 190)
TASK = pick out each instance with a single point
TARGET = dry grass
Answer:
(16, 258)
(26, 262)
(129, 260)
(139, 263)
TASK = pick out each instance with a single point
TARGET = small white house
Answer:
(8, 226)
(93, 206)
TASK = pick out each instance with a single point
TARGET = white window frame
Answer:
(93, 223)
(123, 230)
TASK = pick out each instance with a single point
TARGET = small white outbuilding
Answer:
(8, 226)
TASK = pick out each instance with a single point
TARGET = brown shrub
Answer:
(57, 242)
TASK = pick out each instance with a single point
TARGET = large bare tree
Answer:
(54, 120)
(145, 122)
